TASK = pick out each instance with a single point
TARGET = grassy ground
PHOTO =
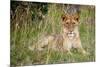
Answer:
(28, 35)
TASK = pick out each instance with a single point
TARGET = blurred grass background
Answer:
(31, 20)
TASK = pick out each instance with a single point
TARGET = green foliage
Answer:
(26, 27)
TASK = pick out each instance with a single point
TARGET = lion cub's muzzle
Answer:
(71, 35)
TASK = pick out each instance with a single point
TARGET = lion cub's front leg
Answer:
(77, 44)
(67, 45)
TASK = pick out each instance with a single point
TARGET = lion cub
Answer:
(69, 38)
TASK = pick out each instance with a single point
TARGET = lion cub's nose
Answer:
(71, 32)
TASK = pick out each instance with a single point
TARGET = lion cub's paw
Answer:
(85, 53)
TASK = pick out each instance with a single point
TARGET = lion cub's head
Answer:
(70, 24)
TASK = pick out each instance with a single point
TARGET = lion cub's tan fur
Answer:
(69, 38)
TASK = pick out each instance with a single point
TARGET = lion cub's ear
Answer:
(63, 17)
(76, 17)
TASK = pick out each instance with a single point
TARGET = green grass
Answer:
(28, 35)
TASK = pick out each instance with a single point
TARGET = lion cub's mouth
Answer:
(70, 35)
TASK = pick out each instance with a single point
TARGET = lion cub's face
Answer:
(70, 24)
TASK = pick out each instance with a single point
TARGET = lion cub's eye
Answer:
(66, 22)
(73, 23)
